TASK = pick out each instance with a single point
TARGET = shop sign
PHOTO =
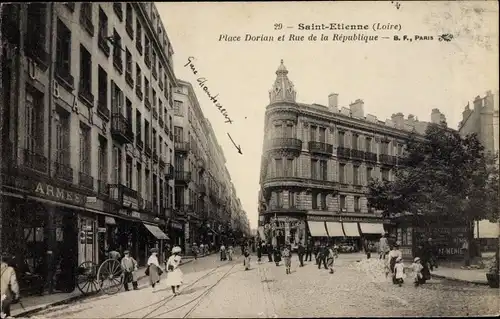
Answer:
(136, 214)
(447, 240)
(59, 194)
(176, 225)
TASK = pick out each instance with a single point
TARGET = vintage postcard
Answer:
(249, 159)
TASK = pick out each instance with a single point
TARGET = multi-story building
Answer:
(317, 162)
(202, 181)
(87, 140)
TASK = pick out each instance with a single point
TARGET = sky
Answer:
(389, 76)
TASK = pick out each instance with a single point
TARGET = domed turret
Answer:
(283, 89)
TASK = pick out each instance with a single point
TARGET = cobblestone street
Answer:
(223, 289)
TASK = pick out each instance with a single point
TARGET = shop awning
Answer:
(372, 228)
(334, 229)
(109, 220)
(317, 229)
(351, 229)
(486, 229)
(156, 231)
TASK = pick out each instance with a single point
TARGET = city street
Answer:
(223, 289)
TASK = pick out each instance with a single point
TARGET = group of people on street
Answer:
(423, 263)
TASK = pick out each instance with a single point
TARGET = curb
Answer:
(475, 282)
(75, 298)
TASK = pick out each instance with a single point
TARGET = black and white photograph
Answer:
(249, 159)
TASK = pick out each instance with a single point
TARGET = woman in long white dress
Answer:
(154, 268)
(174, 275)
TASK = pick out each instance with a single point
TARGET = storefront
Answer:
(371, 234)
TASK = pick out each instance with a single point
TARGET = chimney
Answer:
(478, 103)
(399, 120)
(333, 102)
(357, 109)
(435, 116)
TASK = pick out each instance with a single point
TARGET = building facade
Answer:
(317, 162)
(88, 140)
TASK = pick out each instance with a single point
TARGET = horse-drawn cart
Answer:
(108, 277)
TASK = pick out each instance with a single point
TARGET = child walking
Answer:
(287, 256)
(417, 268)
(399, 271)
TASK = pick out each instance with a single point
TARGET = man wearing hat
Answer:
(129, 266)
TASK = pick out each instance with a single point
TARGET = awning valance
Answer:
(372, 228)
(317, 229)
(351, 229)
(156, 231)
(109, 220)
(486, 229)
(334, 229)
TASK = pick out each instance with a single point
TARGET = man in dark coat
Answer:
(309, 249)
(300, 252)
(322, 254)
(270, 252)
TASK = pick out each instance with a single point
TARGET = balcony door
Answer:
(322, 135)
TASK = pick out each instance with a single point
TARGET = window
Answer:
(154, 141)
(324, 205)
(116, 99)
(139, 179)
(356, 204)
(102, 161)
(314, 200)
(102, 79)
(154, 99)
(128, 172)
(342, 202)
(178, 108)
(117, 165)
(147, 52)
(369, 173)
(279, 167)
(342, 173)
(289, 171)
(368, 144)
(86, 17)
(146, 133)
(278, 130)
(62, 138)
(160, 145)
(355, 173)
(322, 135)
(354, 141)
(385, 174)
(160, 110)
(170, 95)
(128, 63)
(385, 148)
(117, 7)
(128, 111)
(147, 179)
(138, 81)
(146, 92)
(138, 125)
(103, 32)
(34, 122)
(63, 59)
(138, 35)
(178, 134)
(36, 33)
(86, 75)
(85, 142)
(312, 131)
(129, 19)
(341, 139)
(117, 51)
(279, 199)
(154, 63)
(323, 170)
(291, 199)
(314, 169)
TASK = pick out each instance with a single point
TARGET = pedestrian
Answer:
(322, 255)
(246, 259)
(277, 255)
(331, 258)
(230, 252)
(394, 254)
(194, 249)
(366, 247)
(316, 251)
(287, 257)
(174, 273)
(202, 250)
(9, 288)
(222, 252)
(383, 246)
(259, 251)
(129, 267)
(269, 249)
(167, 253)
(416, 267)
(154, 270)
(309, 249)
(300, 251)
(399, 272)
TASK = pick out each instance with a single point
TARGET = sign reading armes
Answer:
(59, 194)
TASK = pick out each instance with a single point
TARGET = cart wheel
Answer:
(110, 276)
(87, 281)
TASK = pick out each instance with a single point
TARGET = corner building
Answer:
(87, 140)
(317, 162)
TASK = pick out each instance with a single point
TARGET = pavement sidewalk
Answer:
(32, 304)
(475, 276)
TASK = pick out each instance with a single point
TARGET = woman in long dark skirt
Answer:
(277, 255)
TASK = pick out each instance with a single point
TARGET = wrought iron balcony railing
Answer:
(320, 147)
(284, 143)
